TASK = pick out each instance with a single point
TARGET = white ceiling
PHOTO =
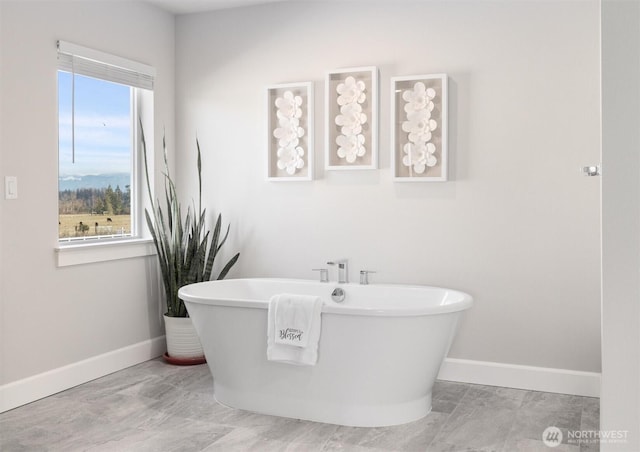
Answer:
(197, 6)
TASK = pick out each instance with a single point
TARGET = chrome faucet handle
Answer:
(364, 276)
(324, 274)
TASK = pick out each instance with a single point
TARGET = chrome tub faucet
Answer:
(343, 269)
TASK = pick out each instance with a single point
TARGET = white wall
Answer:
(52, 317)
(2, 173)
(517, 226)
(620, 403)
(2, 69)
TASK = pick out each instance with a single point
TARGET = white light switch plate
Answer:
(10, 187)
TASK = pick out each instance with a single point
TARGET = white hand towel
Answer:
(294, 314)
(293, 331)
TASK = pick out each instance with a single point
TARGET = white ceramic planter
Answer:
(182, 339)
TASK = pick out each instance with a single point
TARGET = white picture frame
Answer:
(351, 106)
(419, 128)
(290, 137)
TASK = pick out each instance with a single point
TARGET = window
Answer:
(100, 189)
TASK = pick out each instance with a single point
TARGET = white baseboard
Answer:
(521, 377)
(30, 389)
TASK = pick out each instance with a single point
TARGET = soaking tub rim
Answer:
(464, 302)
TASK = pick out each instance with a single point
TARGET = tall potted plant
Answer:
(187, 252)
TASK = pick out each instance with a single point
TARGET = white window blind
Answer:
(93, 63)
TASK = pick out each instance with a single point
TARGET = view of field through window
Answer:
(94, 174)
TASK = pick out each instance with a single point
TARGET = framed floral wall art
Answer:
(419, 128)
(352, 119)
(290, 132)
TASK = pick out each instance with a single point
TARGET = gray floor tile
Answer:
(533, 445)
(541, 410)
(551, 401)
(446, 395)
(590, 422)
(158, 407)
(494, 397)
(185, 436)
(475, 427)
(530, 423)
(590, 446)
(414, 436)
(441, 446)
(591, 414)
(261, 439)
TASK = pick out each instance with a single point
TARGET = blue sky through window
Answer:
(102, 126)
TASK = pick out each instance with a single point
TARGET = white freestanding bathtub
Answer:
(379, 353)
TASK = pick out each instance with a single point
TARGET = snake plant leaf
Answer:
(227, 267)
(213, 251)
(199, 176)
(186, 249)
(224, 239)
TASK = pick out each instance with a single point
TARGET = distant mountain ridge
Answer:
(94, 181)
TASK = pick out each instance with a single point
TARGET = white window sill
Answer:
(87, 253)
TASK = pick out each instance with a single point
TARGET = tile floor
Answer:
(158, 407)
